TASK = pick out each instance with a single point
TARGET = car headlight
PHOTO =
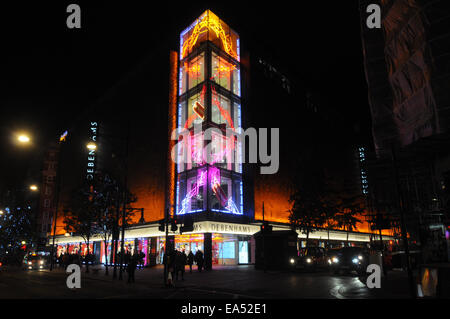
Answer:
(29, 263)
(360, 257)
(41, 262)
(335, 260)
(292, 260)
(355, 260)
(329, 261)
(308, 260)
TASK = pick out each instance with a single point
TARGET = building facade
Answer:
(47, 204)
(208, 181)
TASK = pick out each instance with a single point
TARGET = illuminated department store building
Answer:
(207, 184)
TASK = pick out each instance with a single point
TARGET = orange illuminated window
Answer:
(221, 71)
(220, 109)
(195, 70)
(209, 27)
(192, 105)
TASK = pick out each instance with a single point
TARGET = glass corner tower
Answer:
(209, 154)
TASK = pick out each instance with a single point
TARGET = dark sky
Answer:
(49, 74)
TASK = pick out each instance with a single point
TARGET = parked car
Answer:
(310, 258)
(348, 259)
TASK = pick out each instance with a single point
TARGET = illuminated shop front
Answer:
(231, 244)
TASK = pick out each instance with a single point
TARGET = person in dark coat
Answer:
(141, 257)
(169, 260)
(131, 268)
(199, 260)
(127, 257)
(190, 260)
(180, 263)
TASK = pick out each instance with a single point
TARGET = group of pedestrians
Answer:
(177, 260)
(66, 259)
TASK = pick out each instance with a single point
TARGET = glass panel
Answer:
(237, 81)
(243, 252)
(235, 45)
(193, 35)
(195, 151)
(181, 194)
(196, 70)
(238, 200)
(209, 26)
(220, 109)
(195, 191)
(227, 250)
(196, 109)
(182, 79)
(237, 115)
(237, 157)
(221, 71)
(216, 30)
(220, 151)
(181, 114)
(221, 190)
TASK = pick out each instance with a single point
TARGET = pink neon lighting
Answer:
(199, 109)
(214, 175)
(197, 153)
(201, 179)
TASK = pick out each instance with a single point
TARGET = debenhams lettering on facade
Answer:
(91, 155)
(223, 228)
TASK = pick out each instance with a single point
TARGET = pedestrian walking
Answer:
(190, 260)
(131, 268)
(180, 264)
(169, 262)
(141, 257)
(199, 260)
(127, 257)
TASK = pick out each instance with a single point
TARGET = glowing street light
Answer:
(1, 212)
(33, 188)
(23, 138)
(91, 146)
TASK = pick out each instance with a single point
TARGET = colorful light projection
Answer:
(224, 145)
(207, 22)
(214, 177)
(199, 110)
(201, 180)
(193, 108)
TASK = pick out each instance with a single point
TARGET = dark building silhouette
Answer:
(407, 70)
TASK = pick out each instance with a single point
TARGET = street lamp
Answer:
(62, 139)
(23, 138)
(33, 188)
(91, 146)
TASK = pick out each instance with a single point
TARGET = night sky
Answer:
(50, 75)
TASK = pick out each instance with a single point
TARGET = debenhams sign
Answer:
(214, 227)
